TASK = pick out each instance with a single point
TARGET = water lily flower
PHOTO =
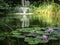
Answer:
(44, 37)
(50, 30)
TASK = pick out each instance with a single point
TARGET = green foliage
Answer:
(33, 35)
(45, 15)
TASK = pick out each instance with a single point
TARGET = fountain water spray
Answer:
(24, 8)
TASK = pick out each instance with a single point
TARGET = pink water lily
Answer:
(50, 30)
(44, 37)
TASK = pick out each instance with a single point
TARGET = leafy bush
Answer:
(46, 13)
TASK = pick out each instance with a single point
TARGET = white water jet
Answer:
(24, 8)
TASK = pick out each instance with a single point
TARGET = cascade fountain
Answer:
(24, 8)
